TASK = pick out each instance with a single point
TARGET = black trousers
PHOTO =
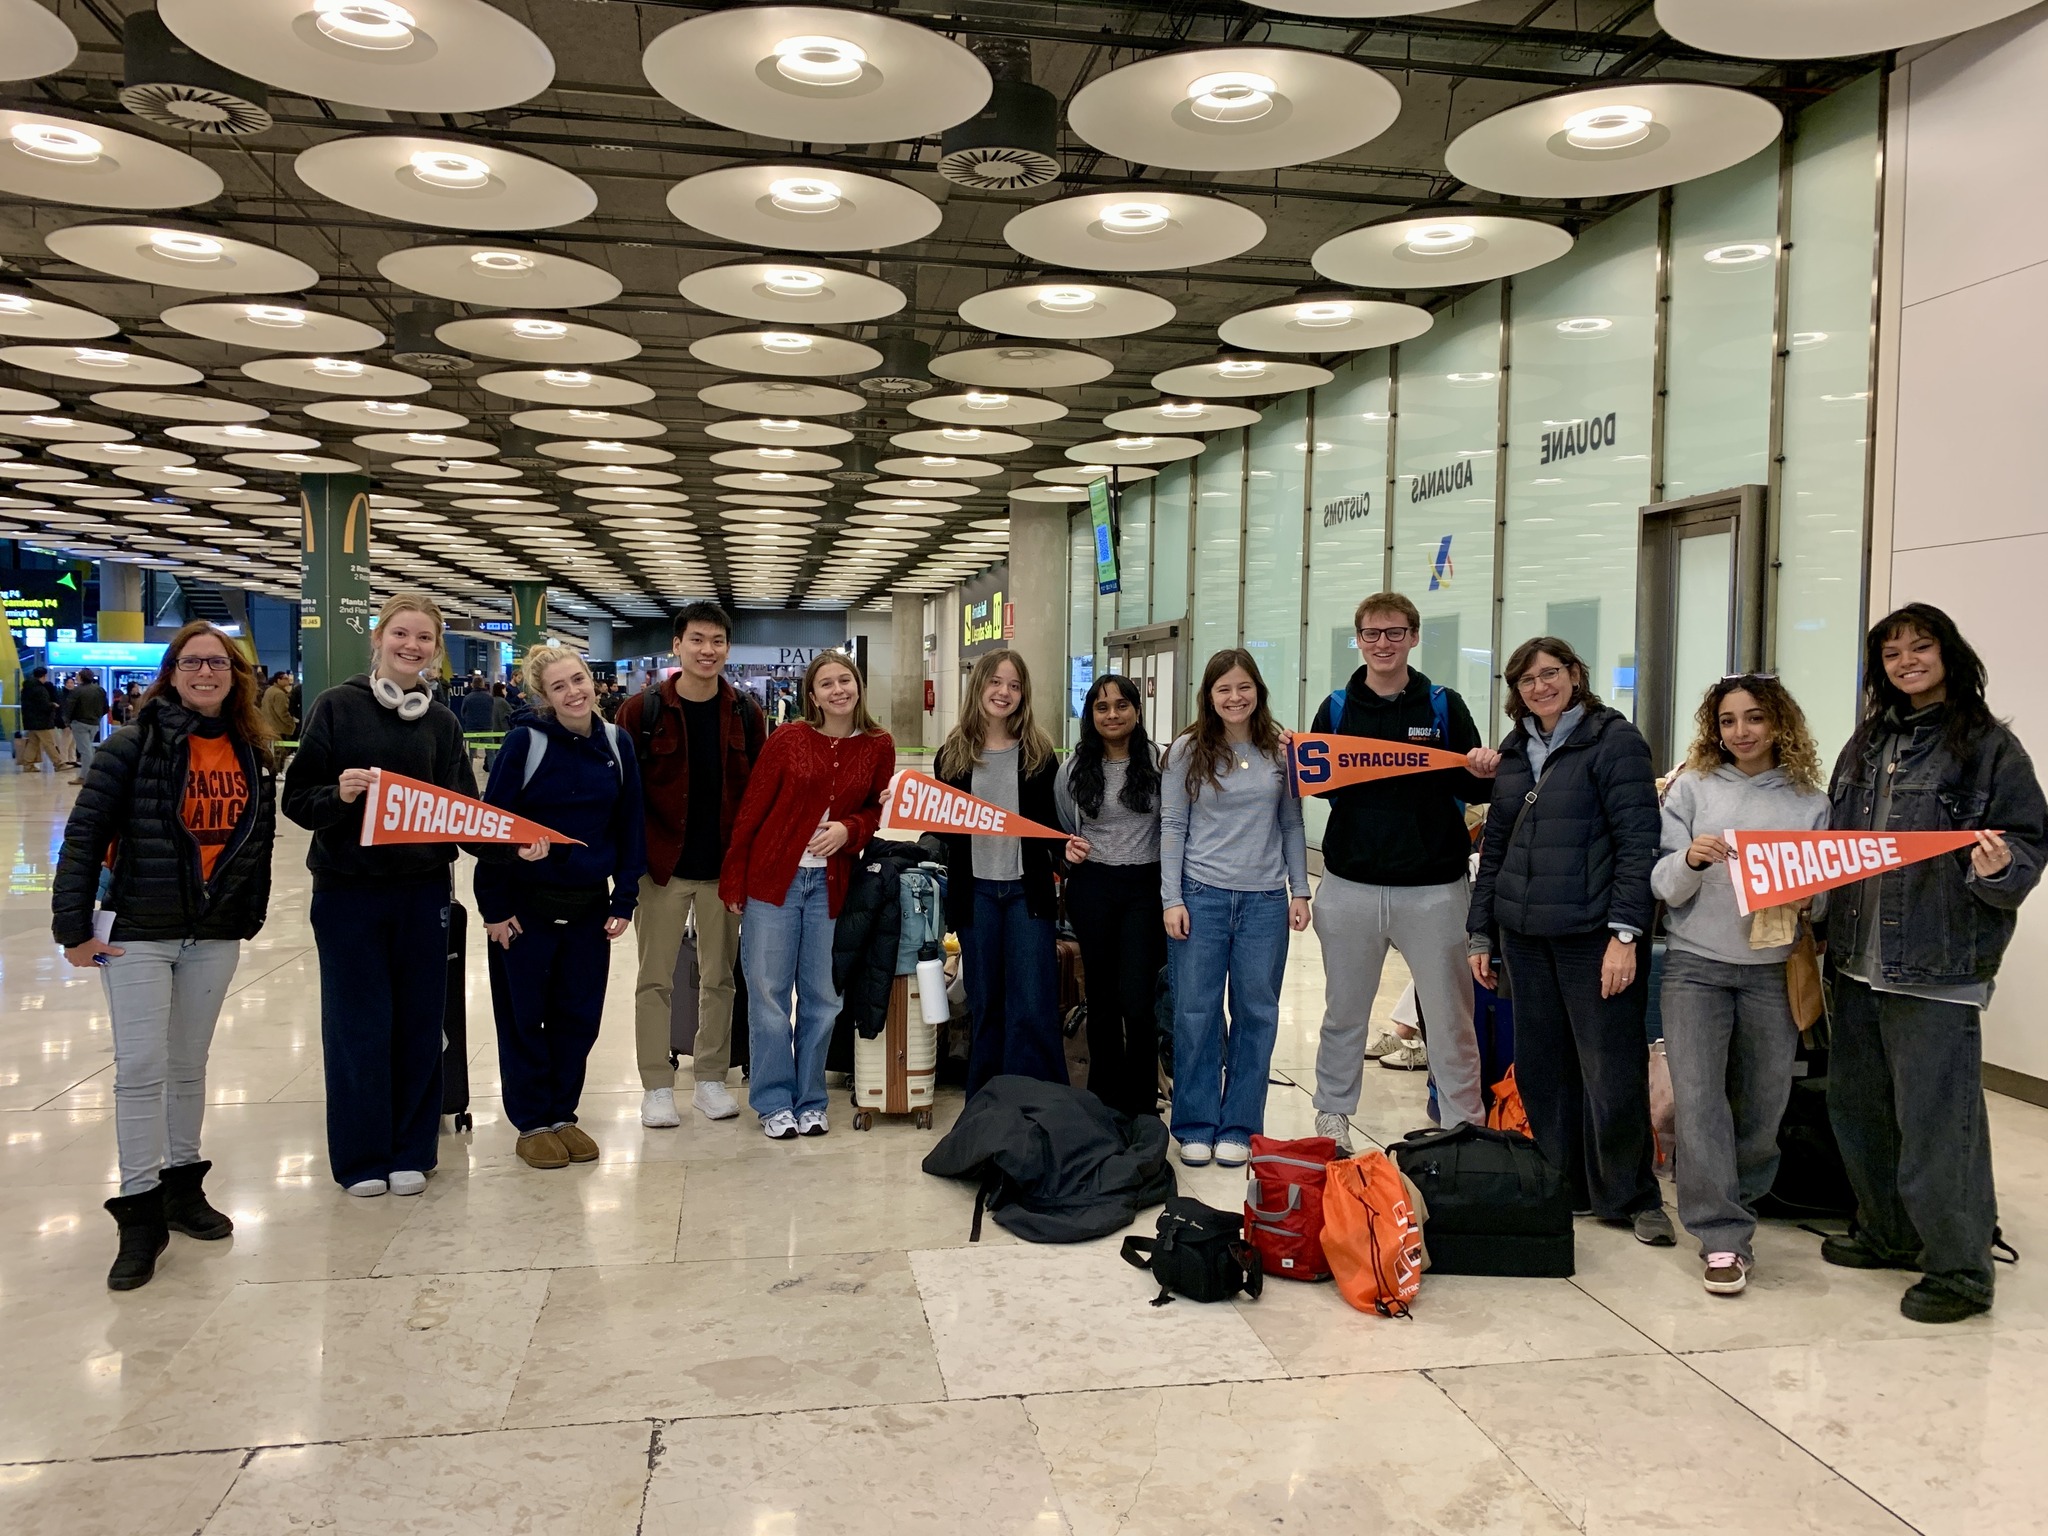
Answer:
(1583, 1070)
(383, 994)
(547, 994)
(1116, 916)
(1906, 1098)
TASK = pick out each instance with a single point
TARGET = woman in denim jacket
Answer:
(1905, 1083)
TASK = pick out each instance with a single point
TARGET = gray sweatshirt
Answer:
(1700, 915)
(1242, 834)
(1120, 836)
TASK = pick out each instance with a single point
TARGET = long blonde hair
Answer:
(961, 753)
(1791, 742)
(533, 669)
(814, 714)
(410, 602)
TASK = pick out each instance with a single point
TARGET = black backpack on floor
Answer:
(1200, 1253)
(1497, 1205)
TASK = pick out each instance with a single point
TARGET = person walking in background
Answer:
(85, 712)
(1563, 894)
(380, 914)
(1000, 895)
(697, 738)
(277, 708)
(1108, 797)
(1395, 853)
(551, 911)
(1913, 955)
(812, 803)
(171, 837)
(1233, 864)
(477, 709)
(39, 720)
(125, 703)
(1728, 1025)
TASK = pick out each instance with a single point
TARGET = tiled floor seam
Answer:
(248, 1452)
(657, 1447)
(1428, 1374)
(1051, 1471)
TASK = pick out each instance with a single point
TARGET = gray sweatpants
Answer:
(1426, 923)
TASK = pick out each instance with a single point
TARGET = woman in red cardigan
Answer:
(812, 802)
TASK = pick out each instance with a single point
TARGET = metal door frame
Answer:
(1169, 635)
(1740, 509)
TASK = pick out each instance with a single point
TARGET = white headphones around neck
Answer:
(408, 704)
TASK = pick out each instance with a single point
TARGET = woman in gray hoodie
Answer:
(1727, 1023)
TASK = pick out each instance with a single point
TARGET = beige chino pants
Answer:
(658, 925)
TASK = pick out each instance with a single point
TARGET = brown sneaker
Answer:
(1726, 1274)
(543, 1149)
(577, 1143)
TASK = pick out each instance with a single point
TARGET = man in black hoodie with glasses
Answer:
(1395, 860)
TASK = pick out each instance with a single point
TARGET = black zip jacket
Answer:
(1408, 830)
(1959, 925)
(1581, 856)
(348, 728)
(868, 931)
(1035, 802)
(134, 797)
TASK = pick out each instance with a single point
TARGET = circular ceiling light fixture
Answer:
(1822, 29)
(501, 276)
(379, 25)
(277, 317)
(1066, 310)
(1610, 127)
(1119, 232)
(819, 60)
(97, 357)
(539, 330)
(789, 343)
(1439, 248)
(1742, 254)
(803, 207)
(1237, 374)
(793, 282)
(446, 168)
(1231, 96)
(1323, 314)
(1134, 218)
(805, 194)
(182, 245)
(1584, 325)
(501, 263)
(565, 378)
(55, 141)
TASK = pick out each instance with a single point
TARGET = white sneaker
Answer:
(365, 1188)
(1382, 1043)
(406, 1182)
(780, 1126)
(1409, 1056)
(658, 1109)
(812, 1122)
(1232, 1154)
(1195, 1154)
(1337, 1128)
(711, 1099)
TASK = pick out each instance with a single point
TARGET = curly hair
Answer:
(1792, 748)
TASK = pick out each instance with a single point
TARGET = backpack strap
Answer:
(1336, 706)
(1440, 707)
(613, 736)
(1138, 1252)
(536, 749)
(650, 722)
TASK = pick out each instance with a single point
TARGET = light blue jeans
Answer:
(84, 738)
(1238, 940)
(164, 996)
(786, 953)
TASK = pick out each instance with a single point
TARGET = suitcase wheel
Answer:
(863, 1118)
(463, 1122)
(922, 1118)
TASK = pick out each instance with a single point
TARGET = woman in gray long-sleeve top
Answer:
(1233, 864)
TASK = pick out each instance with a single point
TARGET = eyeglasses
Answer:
(1394, 634)
(1749, 677)
(204, 664)
(1542, 679)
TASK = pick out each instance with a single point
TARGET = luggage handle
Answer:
(1251, 1201)
(1289, 1162)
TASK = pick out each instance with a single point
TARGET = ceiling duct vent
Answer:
(856, 465)
(414, 344)
(905, 369)
(519, 448)
(171, 86)
(1013, 141)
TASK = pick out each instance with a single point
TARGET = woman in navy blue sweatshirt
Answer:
(552, 909)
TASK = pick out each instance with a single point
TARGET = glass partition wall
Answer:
(1494, 469)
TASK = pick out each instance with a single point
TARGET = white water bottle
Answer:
(931, 987)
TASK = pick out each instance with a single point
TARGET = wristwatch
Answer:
(1626, 938)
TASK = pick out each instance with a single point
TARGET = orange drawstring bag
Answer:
(1371, 1238)
(1507, 1113)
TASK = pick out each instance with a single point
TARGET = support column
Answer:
(1038, 582)
(601, 640)
(906, 642)
(529, 616)
(334, 579)
(121, 618)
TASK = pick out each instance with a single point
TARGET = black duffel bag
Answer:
(1200, 1253)
(1497, 1205)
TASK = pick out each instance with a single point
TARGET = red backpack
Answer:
(1283, 1205)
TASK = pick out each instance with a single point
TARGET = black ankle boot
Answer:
(185, 1207)
(143, 1237)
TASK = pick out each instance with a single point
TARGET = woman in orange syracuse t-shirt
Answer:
(171, 840)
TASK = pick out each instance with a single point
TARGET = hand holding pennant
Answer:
(401, 810)
(916, 802)
(1322, 763)
(1772, 869)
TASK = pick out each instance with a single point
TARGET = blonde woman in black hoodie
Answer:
(380, 915)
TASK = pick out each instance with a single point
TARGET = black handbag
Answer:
(1497, 1205)
(1200, 1253)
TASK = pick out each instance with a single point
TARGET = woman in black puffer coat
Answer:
(171, 836)
(1563, 894)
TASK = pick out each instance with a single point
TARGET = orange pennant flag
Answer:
(402, 810)
(919, 803)
(1771, 869)
(1324, 763)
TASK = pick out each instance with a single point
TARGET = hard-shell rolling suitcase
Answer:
(455, 1024)
(897, 1071)
(684, 1005)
